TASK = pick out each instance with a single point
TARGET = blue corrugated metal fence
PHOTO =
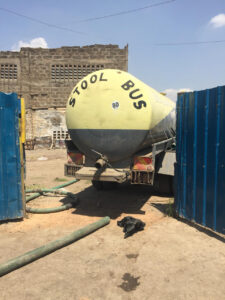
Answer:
(200, 167)
(11, 206)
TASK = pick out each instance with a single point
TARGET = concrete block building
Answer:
(45, 78)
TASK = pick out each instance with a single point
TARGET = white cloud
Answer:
(218, 21)
(34, 43)
(172, 93)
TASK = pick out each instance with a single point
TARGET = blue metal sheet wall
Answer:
(11, 206)
(200, 167)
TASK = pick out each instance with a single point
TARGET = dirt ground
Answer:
(170, 259)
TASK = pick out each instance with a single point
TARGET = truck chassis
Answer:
(157, 169)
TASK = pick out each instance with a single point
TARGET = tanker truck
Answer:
(121, 130)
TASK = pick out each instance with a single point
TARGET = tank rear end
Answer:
(111, 113)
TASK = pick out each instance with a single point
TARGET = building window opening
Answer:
(72, 72)
(8, 71)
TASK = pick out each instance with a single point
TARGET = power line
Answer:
(126, 11)
(85, 20)
(190, 43)
(113, 15)
(40, 22)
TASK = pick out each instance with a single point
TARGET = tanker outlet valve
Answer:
(100, 163)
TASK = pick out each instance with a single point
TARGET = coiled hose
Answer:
(54, 190)
(37, 253)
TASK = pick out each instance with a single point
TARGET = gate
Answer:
(11, 188)
(200, 167)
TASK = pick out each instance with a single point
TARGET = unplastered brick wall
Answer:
(45, 78)
(10, 72)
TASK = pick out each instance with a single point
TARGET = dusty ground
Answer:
(168, 260)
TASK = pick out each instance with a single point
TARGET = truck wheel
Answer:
(172, 186)
(163, 184)
(98, 185)
(110, 185)
(104, 185)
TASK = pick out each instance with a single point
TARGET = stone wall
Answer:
(45, 78)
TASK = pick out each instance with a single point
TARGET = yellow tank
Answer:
(113, 113)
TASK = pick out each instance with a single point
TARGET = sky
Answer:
(164, 39)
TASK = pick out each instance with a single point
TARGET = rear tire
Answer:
(104, 185)
(172, 186)
(163, 184)
(98, 185)
(110, 185)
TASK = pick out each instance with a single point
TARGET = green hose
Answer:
(54, 188)
(50, 209)
(37, 253)
(53, 191)
(39, 192)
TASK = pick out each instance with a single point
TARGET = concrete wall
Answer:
(42, 122)
(45, 78)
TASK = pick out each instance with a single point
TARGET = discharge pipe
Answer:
(37, 253)
(100, 163)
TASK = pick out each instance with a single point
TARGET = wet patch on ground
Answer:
(130, 283)
(132, 255)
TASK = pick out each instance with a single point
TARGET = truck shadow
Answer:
(125, 198)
